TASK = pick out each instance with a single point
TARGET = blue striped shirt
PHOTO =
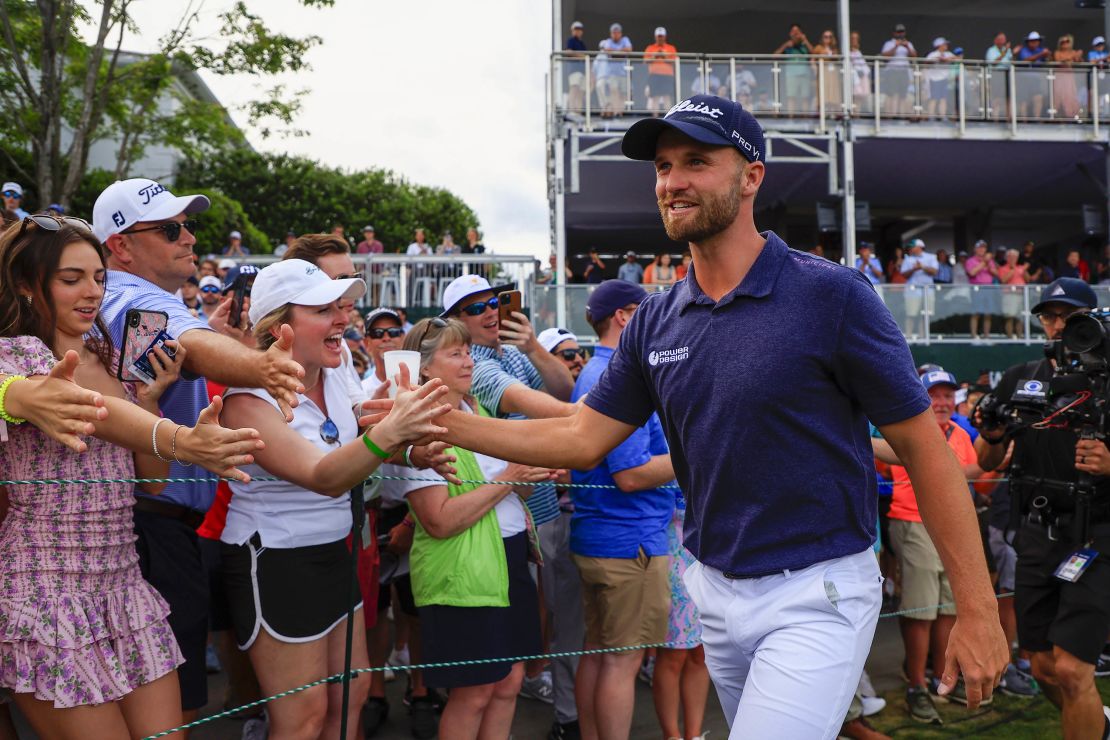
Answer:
(494, 371)
(185, 399)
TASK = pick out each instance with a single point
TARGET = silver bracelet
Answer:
(154, 439)
(173, 447)
(408, 458)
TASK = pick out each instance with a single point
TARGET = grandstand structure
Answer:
(1015, 152)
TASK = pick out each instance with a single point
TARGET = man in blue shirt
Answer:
(576, 71)
(146, 231)
(764, 365)
(618, 536)
(868, 264)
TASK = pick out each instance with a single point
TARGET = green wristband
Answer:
(374, 449)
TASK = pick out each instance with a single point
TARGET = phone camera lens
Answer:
(134, 321)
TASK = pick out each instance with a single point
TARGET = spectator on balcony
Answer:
(631, 271)
(896, 75)
(1030, 81)
(981, 271)
(868, 263)
(745, 82)
(829, 48)
(999, 56)
(447, 245)
(576, 71)
(473, 242)
(938, 73)
(1036, 271)
(1064, 89)
(920, 269)
(799, 77)
(660, 58)
(861, 72)
(612, 82)
(1012, 275)
(1098, 53)
(944, 268)
(894, 268)
(660, 271)
(419, 246)
(1075, 267)
(959, 271)
(710, 84)
(595, 268)
(684, 266)
(369, 245)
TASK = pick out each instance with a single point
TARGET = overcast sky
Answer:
(446, 93)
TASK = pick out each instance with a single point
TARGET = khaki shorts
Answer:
(627, 601)
(924, 582)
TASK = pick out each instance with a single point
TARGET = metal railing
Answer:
(418, 281)
(933, 314)
(591, 87)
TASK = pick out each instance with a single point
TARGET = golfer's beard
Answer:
(716, 213)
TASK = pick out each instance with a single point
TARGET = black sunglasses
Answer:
(570, 354)
(477, 309)
(379, 332)
(172, 229)
(329, 432)
(436, 322)
(347, 276)
(51, 223)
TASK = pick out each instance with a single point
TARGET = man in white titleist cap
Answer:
(148, 233)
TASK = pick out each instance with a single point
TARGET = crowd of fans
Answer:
(936, 89)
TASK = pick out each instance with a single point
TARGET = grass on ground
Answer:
(1007, 717)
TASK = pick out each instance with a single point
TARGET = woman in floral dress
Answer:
(85, 648)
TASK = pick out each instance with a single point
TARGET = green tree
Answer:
(60, 94)
(281, 192)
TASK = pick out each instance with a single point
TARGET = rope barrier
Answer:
(336, 678)
(609, 486)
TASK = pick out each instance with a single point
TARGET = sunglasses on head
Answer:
(436, 322)
(172, 229)
(379, 332)
(329, 432)
(47, 222)
(570, 354)
(477, 309)
(347, 276)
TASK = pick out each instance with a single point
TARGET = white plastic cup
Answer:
(393, 361)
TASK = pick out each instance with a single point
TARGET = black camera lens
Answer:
(134, 320)
(1082, 333)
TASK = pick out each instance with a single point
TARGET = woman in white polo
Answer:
(284, 546)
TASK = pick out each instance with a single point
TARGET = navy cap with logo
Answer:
(235, 273)
(1070, 291)
(611, 295)
(705, 118)
(939, 377)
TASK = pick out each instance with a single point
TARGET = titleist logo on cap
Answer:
(688, 105)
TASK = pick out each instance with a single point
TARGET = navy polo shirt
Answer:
(608, 522)
(764, 398)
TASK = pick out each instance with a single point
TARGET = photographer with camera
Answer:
(1063, 613)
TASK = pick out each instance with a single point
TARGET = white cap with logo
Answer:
(467, 285)
(125, 203)
(300, 283)
(12, 187)
(660, 31)
(551, 338)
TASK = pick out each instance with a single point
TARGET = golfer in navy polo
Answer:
(765, 365)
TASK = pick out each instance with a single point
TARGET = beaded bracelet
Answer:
(154, 439)
(3, 394)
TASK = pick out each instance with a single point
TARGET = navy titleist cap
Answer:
(704, 118)
(1072, 291)
(611, 295)
(235, 273)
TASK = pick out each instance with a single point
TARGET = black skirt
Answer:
(297, 594)
(461, 633)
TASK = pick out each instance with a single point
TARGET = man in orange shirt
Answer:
(924, 582)
(660, 58)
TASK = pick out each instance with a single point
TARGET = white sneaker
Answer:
(872, 705)
(538, 687)
(399, 657)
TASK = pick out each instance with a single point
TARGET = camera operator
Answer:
(1062, 623)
